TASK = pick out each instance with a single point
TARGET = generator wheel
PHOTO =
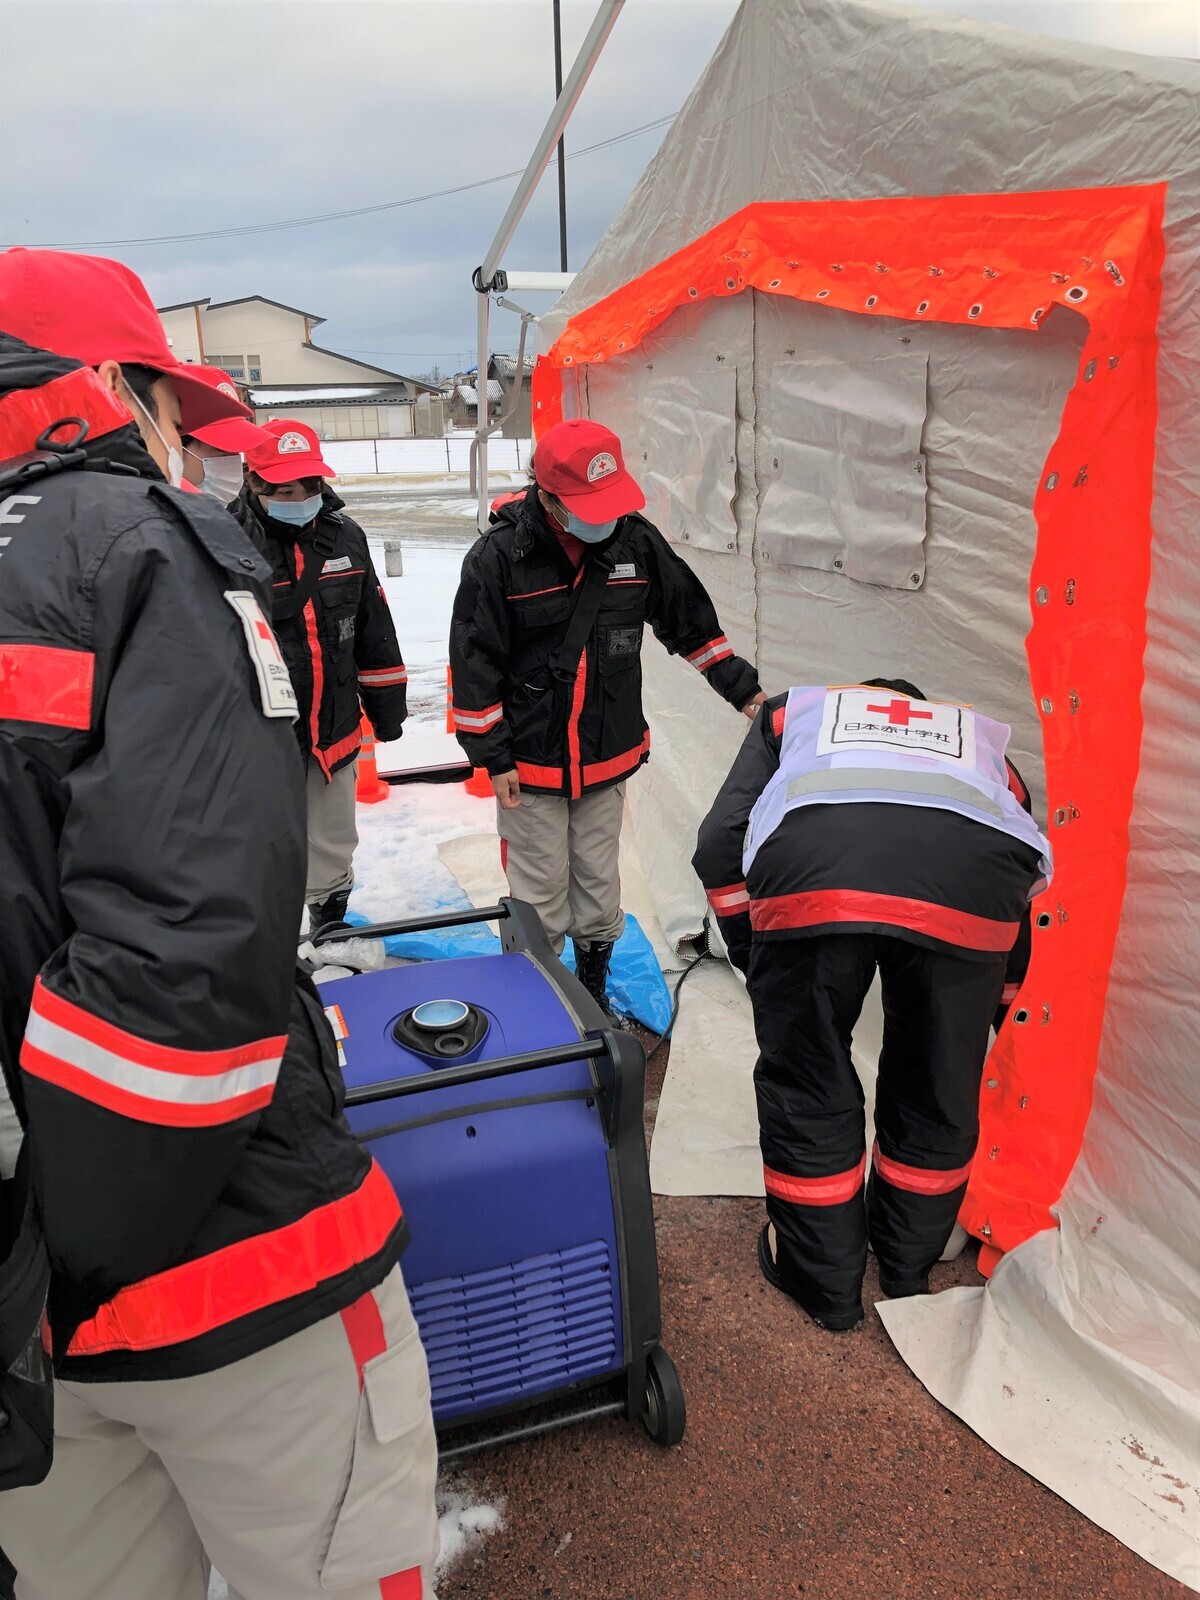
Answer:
(665, 1416)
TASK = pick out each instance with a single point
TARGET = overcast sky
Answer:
(122, 119)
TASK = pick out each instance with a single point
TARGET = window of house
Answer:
(235, 366)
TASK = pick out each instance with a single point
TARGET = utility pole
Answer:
(562, 143)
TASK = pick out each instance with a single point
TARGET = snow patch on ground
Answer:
(463, 1523)
(399, 871)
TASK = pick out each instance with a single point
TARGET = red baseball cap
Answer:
(234, 435)
(290, 450)
(95, 310)
(580, 463)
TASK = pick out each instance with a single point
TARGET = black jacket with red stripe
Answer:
(584, 730)
(342, 649)
(177, 1081)
(929, 876)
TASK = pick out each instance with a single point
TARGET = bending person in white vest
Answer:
(866, 829)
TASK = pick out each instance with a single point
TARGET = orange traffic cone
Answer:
(370, 786)
(478, 783)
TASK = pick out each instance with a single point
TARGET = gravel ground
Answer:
(814, 1465)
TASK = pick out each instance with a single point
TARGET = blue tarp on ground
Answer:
(636, 985)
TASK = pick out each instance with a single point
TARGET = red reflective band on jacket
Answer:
(27, 413)
(382, 677)
(318, 672)
(476, 721)
(1010, 993)
(534, 594)
(344, 747)
(575, 771)
(605, 771)
(830, 1191)
(730, 901)
(778, 718)
(69, 1047)
(193, 1299)
(918, 1180)
(539, 777)
(859, 905)
(42, 683)
(364, 1329)
(718, 649)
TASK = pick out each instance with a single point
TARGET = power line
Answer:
(341, 216)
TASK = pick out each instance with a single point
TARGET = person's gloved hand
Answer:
(750, 709)
(507, 788)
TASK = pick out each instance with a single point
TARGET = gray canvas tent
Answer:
(900, 332)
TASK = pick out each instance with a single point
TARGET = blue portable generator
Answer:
(508, 1116)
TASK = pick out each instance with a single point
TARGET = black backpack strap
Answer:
(584, 611)
(317, 551)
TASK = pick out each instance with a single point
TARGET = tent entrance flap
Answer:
(1000, 261)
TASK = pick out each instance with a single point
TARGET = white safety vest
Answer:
(847, 746)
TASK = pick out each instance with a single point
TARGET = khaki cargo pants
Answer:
(332, 831)
(303, 1471)
(563, 857)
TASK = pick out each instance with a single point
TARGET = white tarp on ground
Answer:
(1093, 1326)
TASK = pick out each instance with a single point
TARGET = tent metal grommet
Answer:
(1048, 706)
(822, 294)
(993, 1152)
(1044, 919)
(1060, 817)
(1114, 272)
(915, 580)
(1021, 1017)
(1113, 363)
(838, 563)
(937, 272)
(879, 267)
(774, 283)
(1052, 482)
(1042, 597)
(1089, 372)
(872, 301)
(1046, 1015)
(1076, 294)
(1038, 315)
(1070, 594)
(993, 1083)
(923, 308)
(975, 311)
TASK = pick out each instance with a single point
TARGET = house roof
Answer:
(182, 305)
(263, 299)
(380, 372)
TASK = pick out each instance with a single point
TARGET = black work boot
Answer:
(329, 912)
(591, 968)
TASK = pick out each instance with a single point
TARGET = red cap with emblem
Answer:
(236, 436)
(290, 451)
(580, 463)
(95, 310)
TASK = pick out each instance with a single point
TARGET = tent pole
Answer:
(562, 143)
(487, 276)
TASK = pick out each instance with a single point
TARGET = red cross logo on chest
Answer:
(901, 713)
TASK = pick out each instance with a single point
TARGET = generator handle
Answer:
(555, 1055)
(385, 930)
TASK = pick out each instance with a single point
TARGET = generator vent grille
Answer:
(499, 1336)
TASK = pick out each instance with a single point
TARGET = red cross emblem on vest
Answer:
(901, 712)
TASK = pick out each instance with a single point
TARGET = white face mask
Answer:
(222, 477)
(174, 459)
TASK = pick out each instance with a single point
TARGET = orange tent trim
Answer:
(1000, 261)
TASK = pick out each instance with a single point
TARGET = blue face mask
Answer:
(296, 512)
(589, 532)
